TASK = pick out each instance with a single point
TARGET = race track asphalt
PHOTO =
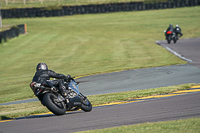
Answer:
(136, 79)
(187, 49)
(168, 108)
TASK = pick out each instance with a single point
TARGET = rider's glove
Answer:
(68, 77)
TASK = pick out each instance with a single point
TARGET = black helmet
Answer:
(170, 25)
(41, 66)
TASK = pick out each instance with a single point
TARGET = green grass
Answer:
(25, 109)
(191, 125)
(125, 96)
(89, 44)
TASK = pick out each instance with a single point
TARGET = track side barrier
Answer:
(15, 31)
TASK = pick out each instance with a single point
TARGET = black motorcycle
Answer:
(51, 97)
(170, 35)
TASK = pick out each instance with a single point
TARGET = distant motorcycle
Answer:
(51, 97)
(170, 35)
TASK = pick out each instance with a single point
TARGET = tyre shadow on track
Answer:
(42, 115)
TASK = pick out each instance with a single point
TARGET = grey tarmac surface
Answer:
(136, 79)
(139, 79)
(188, 49)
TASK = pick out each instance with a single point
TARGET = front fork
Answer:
(83, 97)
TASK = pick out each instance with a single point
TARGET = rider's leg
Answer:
(181, 34)
(62, 88)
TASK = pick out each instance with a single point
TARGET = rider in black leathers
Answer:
(43, 74)
(170, 28)
(177, 30)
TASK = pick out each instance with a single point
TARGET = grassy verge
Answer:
(88, 44)
(191, 125)
(25, 109)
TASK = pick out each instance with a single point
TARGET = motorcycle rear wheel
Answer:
(86, 105)
(168, 40)
(50, 100)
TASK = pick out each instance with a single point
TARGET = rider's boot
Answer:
(64, 91)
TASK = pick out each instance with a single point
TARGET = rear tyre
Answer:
(168, 40)
(86, 105)
(51, 101)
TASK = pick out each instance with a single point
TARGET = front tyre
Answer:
(86, 105)
(51, 101)
(174, 40)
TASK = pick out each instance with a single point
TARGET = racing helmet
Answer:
(177, 25)
(41, 66)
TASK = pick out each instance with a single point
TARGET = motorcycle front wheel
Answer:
(175, 39)
(51, 101)
(86, 105)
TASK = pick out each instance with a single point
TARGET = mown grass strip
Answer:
(191, 125)
(26, 109)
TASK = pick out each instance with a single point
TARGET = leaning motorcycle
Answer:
(170, 35)
(51, 97)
